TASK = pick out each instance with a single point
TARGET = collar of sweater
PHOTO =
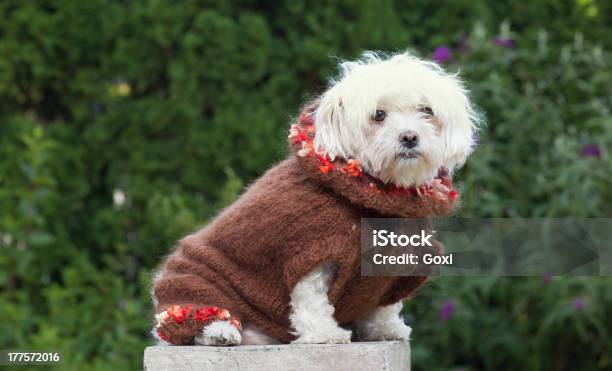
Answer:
(347, 178)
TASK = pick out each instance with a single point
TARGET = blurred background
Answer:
(125, 125)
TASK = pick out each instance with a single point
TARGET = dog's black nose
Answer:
(409, 139)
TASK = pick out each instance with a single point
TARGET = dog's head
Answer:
(402, 117)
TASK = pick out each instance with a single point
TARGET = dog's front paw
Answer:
(220, 333)
(388, 330)
(336, 335)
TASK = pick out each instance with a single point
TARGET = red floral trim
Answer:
(305, 137)
(352, 168)
(179, 324)
(178, 313)
(302, 135)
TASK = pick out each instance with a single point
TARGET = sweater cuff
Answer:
(179, 324)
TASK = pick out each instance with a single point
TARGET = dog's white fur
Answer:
(219, 333)
(384, 323)
(311, 312)
(401, 85)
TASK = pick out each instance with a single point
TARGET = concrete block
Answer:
(367, 356)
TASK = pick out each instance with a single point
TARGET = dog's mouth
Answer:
(409, 154)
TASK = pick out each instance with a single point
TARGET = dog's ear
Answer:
(459, 136)
(329, 117)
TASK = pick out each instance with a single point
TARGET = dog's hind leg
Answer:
(220, 333)
(200, 325)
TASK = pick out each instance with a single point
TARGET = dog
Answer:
(382, 140)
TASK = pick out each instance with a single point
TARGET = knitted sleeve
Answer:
(181, 324)
(299, 260)
(403, 289)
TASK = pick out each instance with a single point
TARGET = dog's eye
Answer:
(380, 116)
(426, 110)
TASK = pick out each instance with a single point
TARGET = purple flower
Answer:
(447, 310)
(578, 304)
(442, 54)
(592, 150)
(547, 278)
(505, 42)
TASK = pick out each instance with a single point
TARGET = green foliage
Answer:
(543, 107)
(512, 324)
(125, 125)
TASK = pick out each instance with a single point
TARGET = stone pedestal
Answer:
(367, 356)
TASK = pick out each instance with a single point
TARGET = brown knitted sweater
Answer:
(302, 212)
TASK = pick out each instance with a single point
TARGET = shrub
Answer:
(125, 125)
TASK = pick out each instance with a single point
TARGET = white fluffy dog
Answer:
(403, 118)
